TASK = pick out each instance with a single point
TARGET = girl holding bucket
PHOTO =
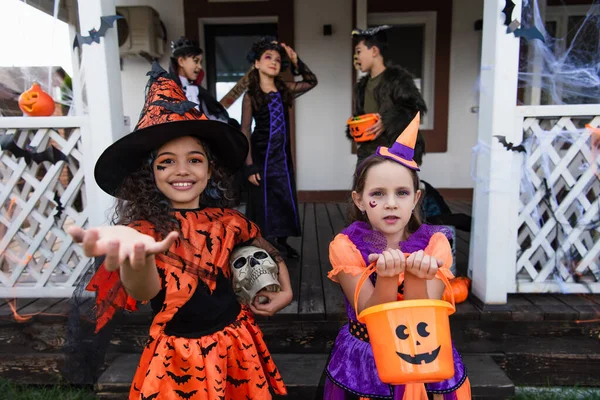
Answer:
(393, 349)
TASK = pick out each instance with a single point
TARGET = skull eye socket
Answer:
(401, 332)
(239, 263)
(260, 255)
(422, 329)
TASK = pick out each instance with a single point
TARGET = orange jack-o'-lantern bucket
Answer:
(358, 127)
(410, 338)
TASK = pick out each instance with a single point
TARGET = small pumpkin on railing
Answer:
(460, 287)
(35, 102)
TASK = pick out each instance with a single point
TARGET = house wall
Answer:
(324, 158)
(453, 168)
(133, 69)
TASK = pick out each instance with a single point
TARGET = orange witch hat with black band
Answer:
(167, 115)
(403, 149)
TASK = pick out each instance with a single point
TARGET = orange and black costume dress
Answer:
(202, 343)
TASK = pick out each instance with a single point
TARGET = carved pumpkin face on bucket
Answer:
(35, 102)
(425, 357)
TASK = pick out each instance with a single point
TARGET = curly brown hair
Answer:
(260, 98)
(146, 202)
(358, 185)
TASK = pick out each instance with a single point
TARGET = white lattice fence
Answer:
(38, 200)
(559, 217)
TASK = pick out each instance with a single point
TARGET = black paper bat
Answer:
(179, 379)
(510, 146)
(507, 10)
(59, 207)
(151, 397)
(185, 395)
(51, 154)
(529, 33)
(95, 35)
(207, 349)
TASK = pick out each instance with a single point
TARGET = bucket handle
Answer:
(373, 267)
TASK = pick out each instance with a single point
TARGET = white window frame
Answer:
(427, 19)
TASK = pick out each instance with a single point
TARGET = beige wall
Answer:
(452, 169)
(323, 153)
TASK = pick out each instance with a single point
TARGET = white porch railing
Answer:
(38, 201)
(558, 228)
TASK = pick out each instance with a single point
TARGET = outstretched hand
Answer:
(121, 245)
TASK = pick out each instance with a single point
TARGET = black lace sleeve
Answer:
(309, 79)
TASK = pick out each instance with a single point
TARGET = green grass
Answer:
(12, 391)
(556, 393)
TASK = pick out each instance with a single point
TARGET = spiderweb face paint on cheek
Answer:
(373, 204)
(160, 168)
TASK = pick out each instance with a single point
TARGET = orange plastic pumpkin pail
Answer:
(410, 338)
(358, 127)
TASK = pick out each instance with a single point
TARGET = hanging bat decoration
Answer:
(527, 33)
(51, 154)
(59, 207)
(508, 10)
(510, 146)
(95, 35)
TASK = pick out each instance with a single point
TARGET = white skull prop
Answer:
(253, 270)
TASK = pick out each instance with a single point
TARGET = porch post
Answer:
(102, 85)
(495, 204)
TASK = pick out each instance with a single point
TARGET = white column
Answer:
(494, 231)
(102, 76)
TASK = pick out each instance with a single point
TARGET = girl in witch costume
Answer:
(172, 248)
(387, 231)
(272, 200)
(185, 68)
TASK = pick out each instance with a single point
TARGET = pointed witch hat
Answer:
(167, 115)
(403, 149)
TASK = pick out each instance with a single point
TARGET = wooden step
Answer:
(302, 374)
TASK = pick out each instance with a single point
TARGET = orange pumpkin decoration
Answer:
(35, 102)
(460, 287)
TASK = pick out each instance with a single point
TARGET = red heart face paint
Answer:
(373, 204)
